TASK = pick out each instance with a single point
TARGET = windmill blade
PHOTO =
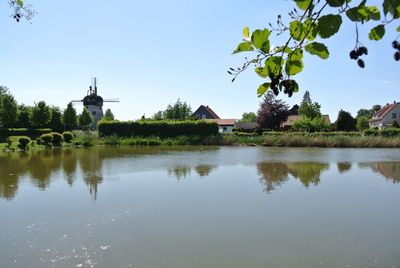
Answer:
(76, 100)
(111, 100)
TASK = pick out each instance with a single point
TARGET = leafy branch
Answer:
(279, 64)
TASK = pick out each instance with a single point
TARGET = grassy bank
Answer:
(337, 140)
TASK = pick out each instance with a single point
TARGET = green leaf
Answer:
(303, 4)
(311, 28)
(262, 72)
(273, 65)
(398, 29)
(392, 7)
(335, 3)
(262, 89)
(318, 49)
(373, 13)
(377, 32)
(20, 3)
(244, 46)
(246, 32)
(294, 63)
(259, 38)
(359, 13)
(297, 30)
(329, 25)
(285, 49)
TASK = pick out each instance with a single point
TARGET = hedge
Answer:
(162, 129)
(32, 133)
(386, 132)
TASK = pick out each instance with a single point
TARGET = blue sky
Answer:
(150, 53)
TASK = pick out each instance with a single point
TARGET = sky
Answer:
(150, 53)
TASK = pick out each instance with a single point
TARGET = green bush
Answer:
(57, 138)
(24, 141)
(112, 140)
(33, 133)
(68, 136)
(162, 129)
(386, 132)
(317, 124)
(46, 138)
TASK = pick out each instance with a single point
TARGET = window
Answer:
(224, 129)
(203, 116)
(393, 115)
(94, 113)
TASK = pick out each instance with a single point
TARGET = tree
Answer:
(177, 111)
(365, 113)
(8, 109)
(248, 118)
(308, 108)
(108, 116)
(315, 21)
(40, 115)
(69, 118)
(272, 112)
(362, 123)
(345, 122)
(56, 123)
(23, 116)
(85, 119)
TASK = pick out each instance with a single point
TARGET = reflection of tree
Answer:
(343, 166)
(8, 186)
(307, 172)
(273, 175)
(69, 165)
(179, 172)
(390, 170)
(204, 170)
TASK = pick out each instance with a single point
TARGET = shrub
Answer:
(395, 124)
(57, 138)
(162, 129)
(24, 141)
(46, 138)
(68, 136)
(6, 132)
(311, 125)
(112, 140)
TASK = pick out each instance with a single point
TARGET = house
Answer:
(385, 116)
(288, 124)
(205, 112)
(225, 125)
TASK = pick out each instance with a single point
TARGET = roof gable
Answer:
(385, 110)
(206, 109)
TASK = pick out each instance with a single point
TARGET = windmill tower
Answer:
(94, 103)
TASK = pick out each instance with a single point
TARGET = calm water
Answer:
(200, 207)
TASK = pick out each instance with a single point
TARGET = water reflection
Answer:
(390, 169)
(93, 166)
(275, 174)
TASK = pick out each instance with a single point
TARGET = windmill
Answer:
(94, 103)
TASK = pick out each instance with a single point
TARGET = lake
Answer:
(200, 207)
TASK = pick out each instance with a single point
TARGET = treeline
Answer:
(42, 115)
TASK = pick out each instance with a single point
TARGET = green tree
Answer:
(23, 116)
(272, 112)
(317, 124)
(56, 123)
(177, 111)
(308, 108)
(362, 123)
(365, 113)
(248, 118)
(310, 24)
(108, 116)
(158, 116)
(85, 119)
(345, 122)
(69, 118)
(8, 109)
(40, 115)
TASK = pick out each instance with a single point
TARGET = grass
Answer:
(90, 138)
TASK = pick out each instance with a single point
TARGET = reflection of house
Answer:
(205, 112)
(225, 125)
(385, 116)
(288, 124)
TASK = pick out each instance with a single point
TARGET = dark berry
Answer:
(353, 55)
(361, 63)
(363, 51)
(395, 44)
(397, 56)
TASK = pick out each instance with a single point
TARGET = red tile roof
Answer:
(379, 115)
